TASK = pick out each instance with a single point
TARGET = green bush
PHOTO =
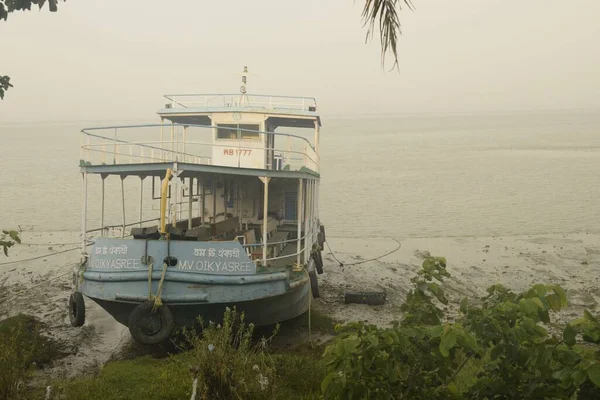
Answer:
(22, 344)
(229, 364)
(422, 358)
(226, 361)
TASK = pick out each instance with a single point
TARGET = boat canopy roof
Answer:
(284, 111)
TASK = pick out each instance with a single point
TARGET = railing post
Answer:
(184, 142)
(172, 139)
(115, 158)
(305, 156)
(141, 199)
(190, 190)
(102, 207)
(123, 202)
(162, 140)
(88, 149)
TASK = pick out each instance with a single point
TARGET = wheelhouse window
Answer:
(226, 131)
(247, 134)
(238, 131)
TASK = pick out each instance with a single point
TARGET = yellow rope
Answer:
(150, 268)
(157, 301)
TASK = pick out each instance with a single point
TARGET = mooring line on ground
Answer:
(38, 257)
(365, 261)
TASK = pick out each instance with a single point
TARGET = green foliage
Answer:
(4, 81)
(231, 370)
(9, 239)
(8, 6)
(419, 307)
(423, 357)
(22, 344)
(385, 14)
(415, 358)
(229, 364)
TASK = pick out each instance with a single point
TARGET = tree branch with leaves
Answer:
(10, 6)
(384, 13)
(8, 239)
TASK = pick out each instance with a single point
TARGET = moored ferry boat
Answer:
(236, 220)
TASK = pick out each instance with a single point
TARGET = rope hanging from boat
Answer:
(364, 261)
(157, 298)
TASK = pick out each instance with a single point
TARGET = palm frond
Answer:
(385, 13)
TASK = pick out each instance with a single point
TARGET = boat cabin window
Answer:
(238, 131)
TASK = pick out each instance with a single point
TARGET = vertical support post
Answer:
(306, 227)
(317, 139)
(180, 190)
(265, 180)
(123, 202)
(190, 190)
(203, 210)
(312, 213)
(141, 199)
(214, 196)
(224, 198)
(299, 218)
(238, 195)
(84, 214)
(102, 207)
(198, 194)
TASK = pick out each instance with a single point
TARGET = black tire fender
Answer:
(323, 233)
(76, 309)
(316, 255)
(314, 284)
(370, 298)
(148, 326)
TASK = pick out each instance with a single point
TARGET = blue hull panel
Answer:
(265, 311)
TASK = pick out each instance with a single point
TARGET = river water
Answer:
(400, 176)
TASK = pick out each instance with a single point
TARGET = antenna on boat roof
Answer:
(243, 95)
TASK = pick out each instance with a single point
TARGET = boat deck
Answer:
(285, 260)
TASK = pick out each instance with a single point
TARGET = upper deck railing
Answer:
(266, 102)
(196, 144)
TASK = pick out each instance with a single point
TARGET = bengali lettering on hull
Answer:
(218, 258)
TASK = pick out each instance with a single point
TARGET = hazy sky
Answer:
(114, 59)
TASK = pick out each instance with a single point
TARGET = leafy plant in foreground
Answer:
(9, 239)
(415, 358)
(420, 356)
(229, 364)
